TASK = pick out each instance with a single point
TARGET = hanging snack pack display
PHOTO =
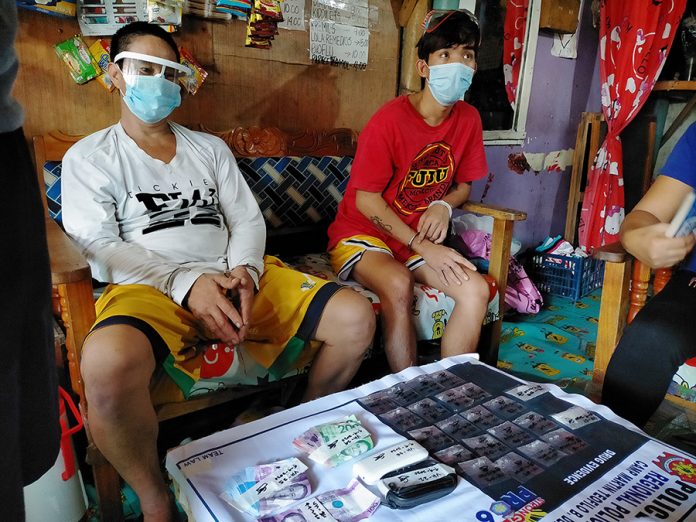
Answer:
(263, 23)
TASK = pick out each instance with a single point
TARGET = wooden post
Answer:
(612, 315)
(639, 289)
(410, 81)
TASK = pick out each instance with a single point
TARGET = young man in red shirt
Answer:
(415, 161)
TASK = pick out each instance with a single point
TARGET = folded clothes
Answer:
(547, 244)
(562, 248)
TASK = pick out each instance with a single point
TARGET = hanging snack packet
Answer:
(267, 488)
(191, 82)
(238, 8)
(350, 504)
(335, 442)
(76, 56)
(100, 52)
(164, 11)
(263, 23)
(270, 9)
(252, 38)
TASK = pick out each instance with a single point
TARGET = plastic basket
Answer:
(567, 276)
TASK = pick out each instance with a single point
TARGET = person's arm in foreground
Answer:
(643, 230)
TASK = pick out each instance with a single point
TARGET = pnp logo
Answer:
(519, 501)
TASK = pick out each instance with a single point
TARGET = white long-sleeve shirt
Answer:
(139, 220)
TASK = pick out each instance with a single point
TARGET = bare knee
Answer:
(475, 291)
(348, 320)
(397, 287)
(116, 360)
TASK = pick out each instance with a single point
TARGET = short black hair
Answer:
(458, 29)
(124, 36)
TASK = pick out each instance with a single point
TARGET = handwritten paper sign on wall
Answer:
(293, 15)
(348, 12)
(338, 32)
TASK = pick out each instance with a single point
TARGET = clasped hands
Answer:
(447, 263)
(221, 303)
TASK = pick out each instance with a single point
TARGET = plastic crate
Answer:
(567, 276)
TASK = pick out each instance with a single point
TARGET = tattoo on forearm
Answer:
(381, 224)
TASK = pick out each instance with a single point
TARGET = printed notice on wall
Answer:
(338, 32)
(293, 15)
(334, 43)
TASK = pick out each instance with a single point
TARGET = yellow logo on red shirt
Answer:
(428, 179)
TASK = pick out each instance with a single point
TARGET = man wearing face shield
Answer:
(163, 214)
(415, 161)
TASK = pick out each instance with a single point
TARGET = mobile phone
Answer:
(684, 221)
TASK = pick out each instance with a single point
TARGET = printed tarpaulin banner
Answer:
(522, 451)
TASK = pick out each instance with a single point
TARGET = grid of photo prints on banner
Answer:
(505, 438)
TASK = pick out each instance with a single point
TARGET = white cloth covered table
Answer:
(614, 470)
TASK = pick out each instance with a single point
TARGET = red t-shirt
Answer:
(411, 164)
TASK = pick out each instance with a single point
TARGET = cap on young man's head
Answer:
(445, 29)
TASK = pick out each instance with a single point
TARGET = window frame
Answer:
(517, 134)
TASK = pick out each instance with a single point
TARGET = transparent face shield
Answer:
(134, 64)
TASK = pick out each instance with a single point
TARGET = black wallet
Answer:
(417, 484)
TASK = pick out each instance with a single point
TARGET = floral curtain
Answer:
(513, 44)
(634, 39)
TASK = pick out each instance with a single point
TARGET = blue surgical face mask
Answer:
(449, 82)
(151, 98)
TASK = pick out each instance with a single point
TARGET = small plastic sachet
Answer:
(267, 488)
(350, 504)
(100, 52)
(77, 58)
(335, 442)
(193, 81)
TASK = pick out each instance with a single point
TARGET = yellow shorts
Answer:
(284, 317)
(349, 251)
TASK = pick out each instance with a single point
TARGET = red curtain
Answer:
(513, 44)
(634, 39)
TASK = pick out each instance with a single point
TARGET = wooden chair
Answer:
(73, 300)
(626, 285)
(625, 292)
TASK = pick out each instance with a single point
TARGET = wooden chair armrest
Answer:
(507, 214)
(501, 241)
(68, 265)
(614, 304)
(613, 253)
